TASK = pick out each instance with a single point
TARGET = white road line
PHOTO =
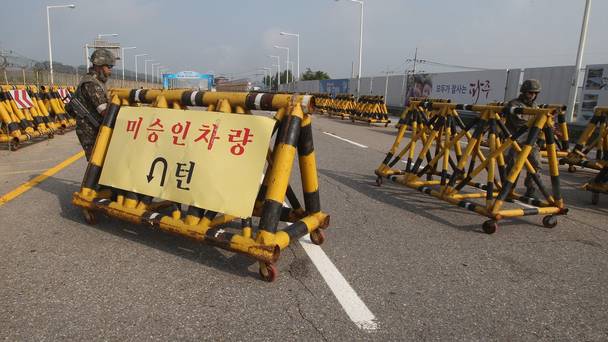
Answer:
(346, 295)
(348, 141)
(348, 298)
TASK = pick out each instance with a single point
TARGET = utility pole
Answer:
(413, 71)
(579, 62)
(415, 60)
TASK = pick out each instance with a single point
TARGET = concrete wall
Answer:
(512, 89)
(555, 82)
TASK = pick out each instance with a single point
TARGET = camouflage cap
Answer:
(102, 57)
(530, 86)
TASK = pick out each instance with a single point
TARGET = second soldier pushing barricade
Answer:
(517, 123)
(90, 101)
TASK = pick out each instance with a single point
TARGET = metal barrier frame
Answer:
(495, 191)
(293, 134)
(579, 156)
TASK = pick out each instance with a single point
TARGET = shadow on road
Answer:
(233, 263)
(412, 201)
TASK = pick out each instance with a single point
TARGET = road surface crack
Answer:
(294, 274)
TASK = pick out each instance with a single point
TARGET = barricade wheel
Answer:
(595, 198)
(317, 237)
(550, 221)
(489, 227)
(51, 135)
(89, 216)
(14, 145)
(268, 272)
(571, 168)
(379, 181)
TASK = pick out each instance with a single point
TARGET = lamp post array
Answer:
(48, 26)
(297, 35)
(278, 70)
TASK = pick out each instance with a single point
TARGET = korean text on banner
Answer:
(209, 160)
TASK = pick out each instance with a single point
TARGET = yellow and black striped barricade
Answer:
(562, 136)
(412, 107)
(579, 156)
(293, 133)
(10, 130)
(428, 125)
(222, 102)
(598, 185)
(57, 104)
(371, 109)
(24, 115)
(323, 102)
(499, 187)
(26, 109)
(40, 114)
(344, 106)
(55, 108)
(560, 131)
(218, 101)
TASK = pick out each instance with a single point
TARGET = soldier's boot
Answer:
(530, 192)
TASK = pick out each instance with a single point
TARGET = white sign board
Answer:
(468, 87)
(595, 91)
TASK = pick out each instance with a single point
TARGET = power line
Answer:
(451, 65)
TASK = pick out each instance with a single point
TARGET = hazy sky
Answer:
(235, 37)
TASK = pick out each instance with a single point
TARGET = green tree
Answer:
(310, 75)
(273, 80)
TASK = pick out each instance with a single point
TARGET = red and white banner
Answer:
(64, 94)
(22, 99)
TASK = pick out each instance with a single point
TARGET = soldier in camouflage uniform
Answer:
(516, 122)
(92, 93)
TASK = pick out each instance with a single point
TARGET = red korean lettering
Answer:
(133, 126)
(241, 137)
(155, 127)
(208, 135)
(177, 129)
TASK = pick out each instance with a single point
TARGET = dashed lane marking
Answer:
(343, 139)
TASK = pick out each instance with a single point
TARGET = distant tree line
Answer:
(308, 75)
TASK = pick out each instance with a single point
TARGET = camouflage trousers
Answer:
(86, 135)
(533, 158)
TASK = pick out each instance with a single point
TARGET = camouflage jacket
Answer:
(92, 93)
(515, 122)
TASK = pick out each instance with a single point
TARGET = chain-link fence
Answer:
(18, 69)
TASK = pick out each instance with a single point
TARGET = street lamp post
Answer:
(153, 74)
(278, 70)
(386, 84)
(360, 47)
(267, 70)
(48, 26)
(297, 35)
(139, 55)
(286, 63)
(360, 2)
(158, 72)
(146, 69)
(122, 60)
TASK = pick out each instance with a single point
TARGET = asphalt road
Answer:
(422, 268)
